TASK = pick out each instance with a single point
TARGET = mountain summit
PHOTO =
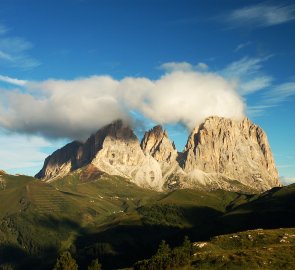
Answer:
(220, 154)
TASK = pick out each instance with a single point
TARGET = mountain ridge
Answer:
(218, 152)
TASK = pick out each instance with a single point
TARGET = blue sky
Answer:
(56, 55)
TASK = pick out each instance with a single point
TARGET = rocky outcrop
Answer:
(61, 162)
(220, 153)
(120, 154)
(237, 150)
(156, 143)
(114, 150)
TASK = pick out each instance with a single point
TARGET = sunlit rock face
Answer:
(114, 150)
(157, 144)
(218, 153)
(238, 150)
(120, 154)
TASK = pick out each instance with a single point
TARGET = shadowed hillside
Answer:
(109, 218)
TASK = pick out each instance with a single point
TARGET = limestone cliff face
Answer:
(156, 143)
(220, 153)
(61, 162)
(115, 150)
(238, 150)
(120, 154)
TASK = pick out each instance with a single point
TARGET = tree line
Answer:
(164, 259)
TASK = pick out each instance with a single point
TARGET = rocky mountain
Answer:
(234, 149)
(61, 162)
(220, 153)
(114, 150)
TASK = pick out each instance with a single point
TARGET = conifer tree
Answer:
(94, 265)
(66, 262)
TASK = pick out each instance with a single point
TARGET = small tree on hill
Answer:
(187, 246)
(163, 249)
(66, 262)
(94, 265)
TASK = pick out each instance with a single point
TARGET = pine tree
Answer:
(94, 265)
(66, 262)
(163, 249)
(187, 246)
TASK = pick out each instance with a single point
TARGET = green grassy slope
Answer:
(113, 219)
(256, 249)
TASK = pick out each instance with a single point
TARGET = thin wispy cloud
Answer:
(14, 51)
(255, 85)
(280, 93)
(176, 66)
(3, 29)
(275, 96)
(262, 15)
(13, 81)
(242, 46)
(247, 73)
(257, 110)
(5, 56)
(249, 77)
(183, 66)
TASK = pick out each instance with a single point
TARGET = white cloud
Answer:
(262, 15)
(76, 108)
(12, 80)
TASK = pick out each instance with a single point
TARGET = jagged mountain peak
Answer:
(218, 152)
(157, 143)
(61, 162)
(118, 130)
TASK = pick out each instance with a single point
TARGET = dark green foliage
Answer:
(94, 265)
(167, 258)
(66, 262)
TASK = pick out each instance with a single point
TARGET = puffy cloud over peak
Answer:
(76, 108)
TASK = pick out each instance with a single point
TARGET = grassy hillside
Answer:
(112, 219)
(256, 249)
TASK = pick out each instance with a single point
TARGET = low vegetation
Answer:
(167, 258)
(118, 223)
